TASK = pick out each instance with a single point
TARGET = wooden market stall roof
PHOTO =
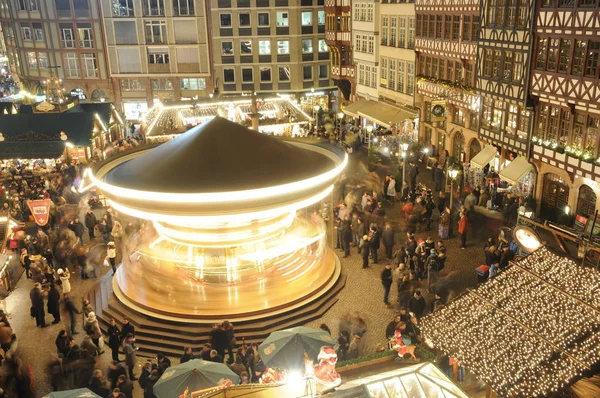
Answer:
(530, 331)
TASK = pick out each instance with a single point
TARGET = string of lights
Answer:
(528, 332)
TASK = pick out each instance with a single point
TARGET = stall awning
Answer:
(484, 157)
(516, 170)
(386, 115)
(352, 109)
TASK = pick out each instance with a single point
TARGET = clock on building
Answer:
(438, 110)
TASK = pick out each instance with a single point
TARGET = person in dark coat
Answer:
(219, 339)
(54, 303)
(37, 305)
(77, 227)
(126, 329)
(115, 370)
(363, 248)
(386, 281)
(374, 237)
(126, 386)
(149, 389)
(388, 240)
(413, 172)
(188, 355)
(417, 304)
(90, 222)
(72, 309)
(114, 339)
(346, 239)
(507, 256)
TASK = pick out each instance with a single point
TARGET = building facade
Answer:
(446, 47)
(269, 46)
(338, 36)
(62, 38)
(365, 38)
(566, 88)
(157, 49)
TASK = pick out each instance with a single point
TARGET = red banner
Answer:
(40, 209)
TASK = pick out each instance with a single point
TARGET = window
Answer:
(447, 26)
(85, 37)
(247, 75)
(591, 135)
(26, 31)
(227, 48)
(488, 106)
(283, 47)
(500, 8)
(158, 58)
(282, 19)
(264, 47)
(197, 83)
(431, 28)
(32, 60)
(410, 78)
(542, 48)
(370, 44)
(579, 57)
(564, 126)
(124, 8)
(68, 41)
(578, 133)
(391, 81)
(466, 28)
(284, 73)
(156, 32)
(28, 5)
(43, 60)
(523, 13)
(244, 19)
(229, 75)
(226, 20)
(565, 55)
(63, 8)
(455, 27)
(133, 85)
(161, 84)
(517, 67)
(469, 74)
(411, 33)
(508, 64)
(496, 64)
(552, 54)
(434, 68)
(263, 19)
(383, 72)
(38, 33)
(323, 71)
(511, 12)
(401, 33)
(90, 68)
(306, 18)
(370, 12)
(498, 114)
(400, 86)
(591, 66)
(542, 119)
(393, 31)
(72, 65)
(458, 116)
(512, 117)
(553, 119)
(153, 7)
(245, 47)
(320, 18)
(361, 74)
(323, 46)
(183, 7)
(307, 72)
(265, 74)
(384, 30)
(307, 46)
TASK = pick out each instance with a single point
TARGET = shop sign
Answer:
(40, 209)
(77, 153)
(135, 110)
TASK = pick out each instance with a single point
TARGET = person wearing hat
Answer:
(353, 347)
(111, 255)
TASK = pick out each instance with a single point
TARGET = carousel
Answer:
(230, 223)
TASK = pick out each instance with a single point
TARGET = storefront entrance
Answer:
(555, 196)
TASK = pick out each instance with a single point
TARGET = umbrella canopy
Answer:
(285, 348)
(192, 376)
(77, 393)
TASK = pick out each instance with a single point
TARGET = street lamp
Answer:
(404, 147)
(452, 174)
(369, 132)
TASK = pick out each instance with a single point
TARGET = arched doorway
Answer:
(99, 94)
(586, 202)
(555, 196)
(474, 148)
(459, 145)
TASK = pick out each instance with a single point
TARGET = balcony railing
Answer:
(159, 68)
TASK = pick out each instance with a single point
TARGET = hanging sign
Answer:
(40, 209)
(438, 111)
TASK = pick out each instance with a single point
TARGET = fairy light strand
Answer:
(528, 332)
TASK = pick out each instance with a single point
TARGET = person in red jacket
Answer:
(462, 229)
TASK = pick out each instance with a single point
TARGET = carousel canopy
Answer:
(218, 156)
(530, 331)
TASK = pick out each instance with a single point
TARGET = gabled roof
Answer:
(219, 156)
(531, 330)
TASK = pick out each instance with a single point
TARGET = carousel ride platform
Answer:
(156, 333)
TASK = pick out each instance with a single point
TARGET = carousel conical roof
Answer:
(218, 156)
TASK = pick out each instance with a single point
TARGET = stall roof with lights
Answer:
(530, 331)
(218, 156)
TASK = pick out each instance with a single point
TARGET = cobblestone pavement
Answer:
(363, 293)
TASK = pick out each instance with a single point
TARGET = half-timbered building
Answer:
(565, 84)
(446, 48)
(338, 36)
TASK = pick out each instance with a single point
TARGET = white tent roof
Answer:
(484, 157)
(516, 170)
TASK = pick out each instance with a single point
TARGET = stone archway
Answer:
(474, 148)
(586, 201)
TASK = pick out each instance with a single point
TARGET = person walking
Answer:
(130, 357)
(363, 248)
(386, 281)
(462, 229)
(413, 172)
(391, 191)
(231, 339)
(374, 243)
(54, 303)
(65, 283)
(90, 222)
(72, 309)
(92, 328)
(346, 239)
(37, 305)
(114, 339)
(77, 227)
(111, 255)
(388, 240)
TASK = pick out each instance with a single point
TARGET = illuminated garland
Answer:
(445, 83)
(560, 147)
(528, 332)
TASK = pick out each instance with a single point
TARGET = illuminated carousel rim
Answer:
(214, 318)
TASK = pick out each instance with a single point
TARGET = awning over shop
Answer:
(386, 115)
(484, 157)
(516, 170)
(352, 109)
